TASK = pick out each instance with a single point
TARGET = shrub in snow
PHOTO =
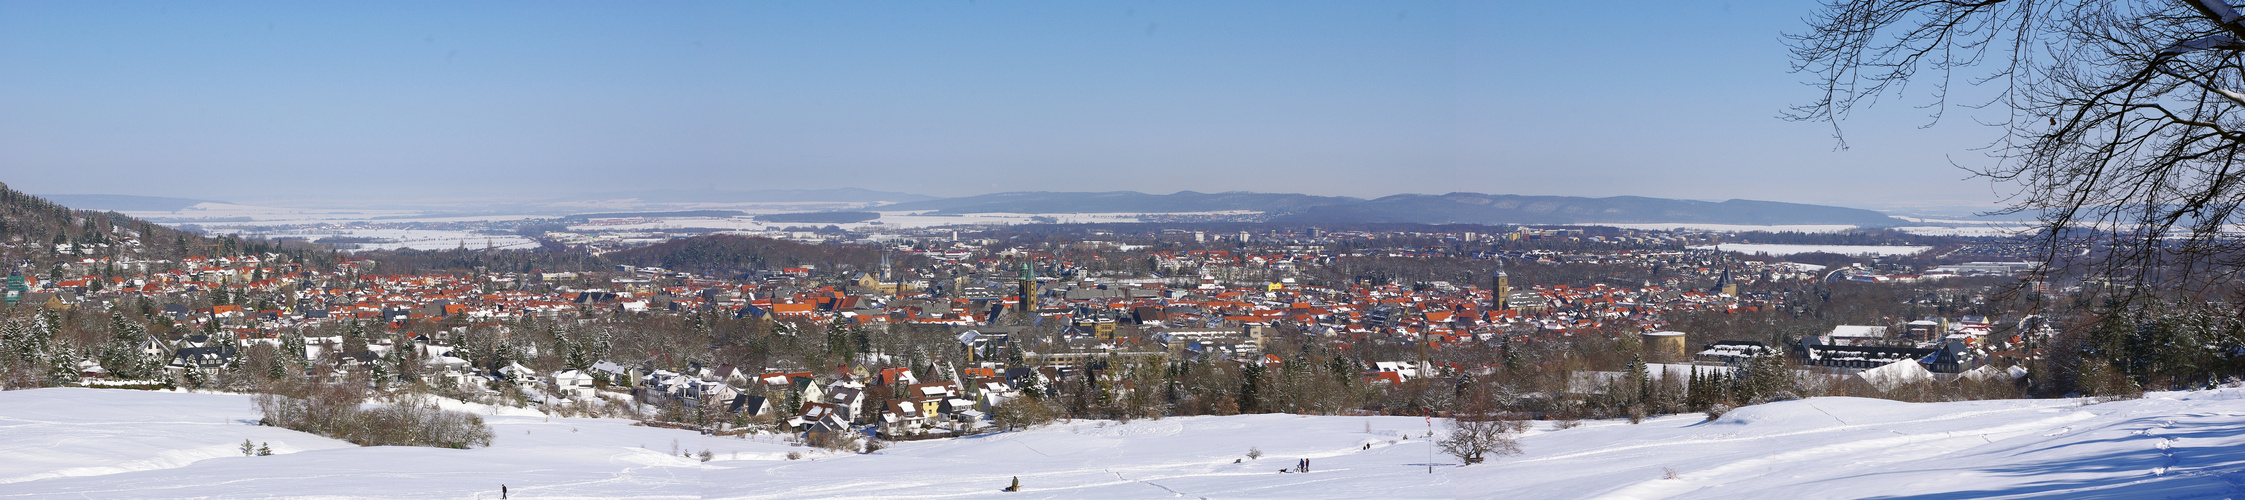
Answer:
(1254, 453)
(1717, 410)
(1024, 412)
(333, 410)
(2102, 381)
(839, 441)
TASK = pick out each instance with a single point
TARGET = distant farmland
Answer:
(820, 217)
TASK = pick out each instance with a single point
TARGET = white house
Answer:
(520, 375)
(574, 383)
(441, 359)
(618, 373)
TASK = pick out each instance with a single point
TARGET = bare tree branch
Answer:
(2120, 126)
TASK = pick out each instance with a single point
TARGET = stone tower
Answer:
(1501, 291)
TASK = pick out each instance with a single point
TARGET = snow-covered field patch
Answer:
(1695, 226)
(1778, 249)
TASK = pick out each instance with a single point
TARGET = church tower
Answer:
(1028, 290)
(1726, 286)
(1501, 292)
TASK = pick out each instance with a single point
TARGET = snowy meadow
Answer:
(90, 443)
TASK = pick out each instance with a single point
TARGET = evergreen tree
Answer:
(1642, 378)
(23, 347)
(1764, 377)
(1250, 389)
(121, 355)
(1511, 354)
(354, 338)
(581, 347)
(293, 351)
(1029, 387)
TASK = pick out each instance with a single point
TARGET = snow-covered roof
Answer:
(1895, 374)
(1858, 332)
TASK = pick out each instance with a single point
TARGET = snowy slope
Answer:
(1174, 457)
(135, 444)
(85, 443)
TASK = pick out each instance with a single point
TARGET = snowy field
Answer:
(87, 443)
(1693, 226)
(1931, 227)
(1776, 249)
(316, 223)
(1996, 229)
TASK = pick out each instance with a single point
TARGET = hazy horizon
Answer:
(810, 199)
(434, 102)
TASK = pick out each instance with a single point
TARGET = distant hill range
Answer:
(123, 203)
(1453, 208)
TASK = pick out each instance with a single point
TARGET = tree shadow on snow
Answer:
(2209, 470)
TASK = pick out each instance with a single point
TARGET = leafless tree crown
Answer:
(2117, 117)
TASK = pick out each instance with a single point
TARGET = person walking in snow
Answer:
(502, 492)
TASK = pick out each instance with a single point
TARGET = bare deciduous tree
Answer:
(1473, 438)
(2121, 117)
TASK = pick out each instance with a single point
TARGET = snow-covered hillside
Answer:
(81, 443)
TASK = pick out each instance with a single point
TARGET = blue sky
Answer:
(526, 100)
